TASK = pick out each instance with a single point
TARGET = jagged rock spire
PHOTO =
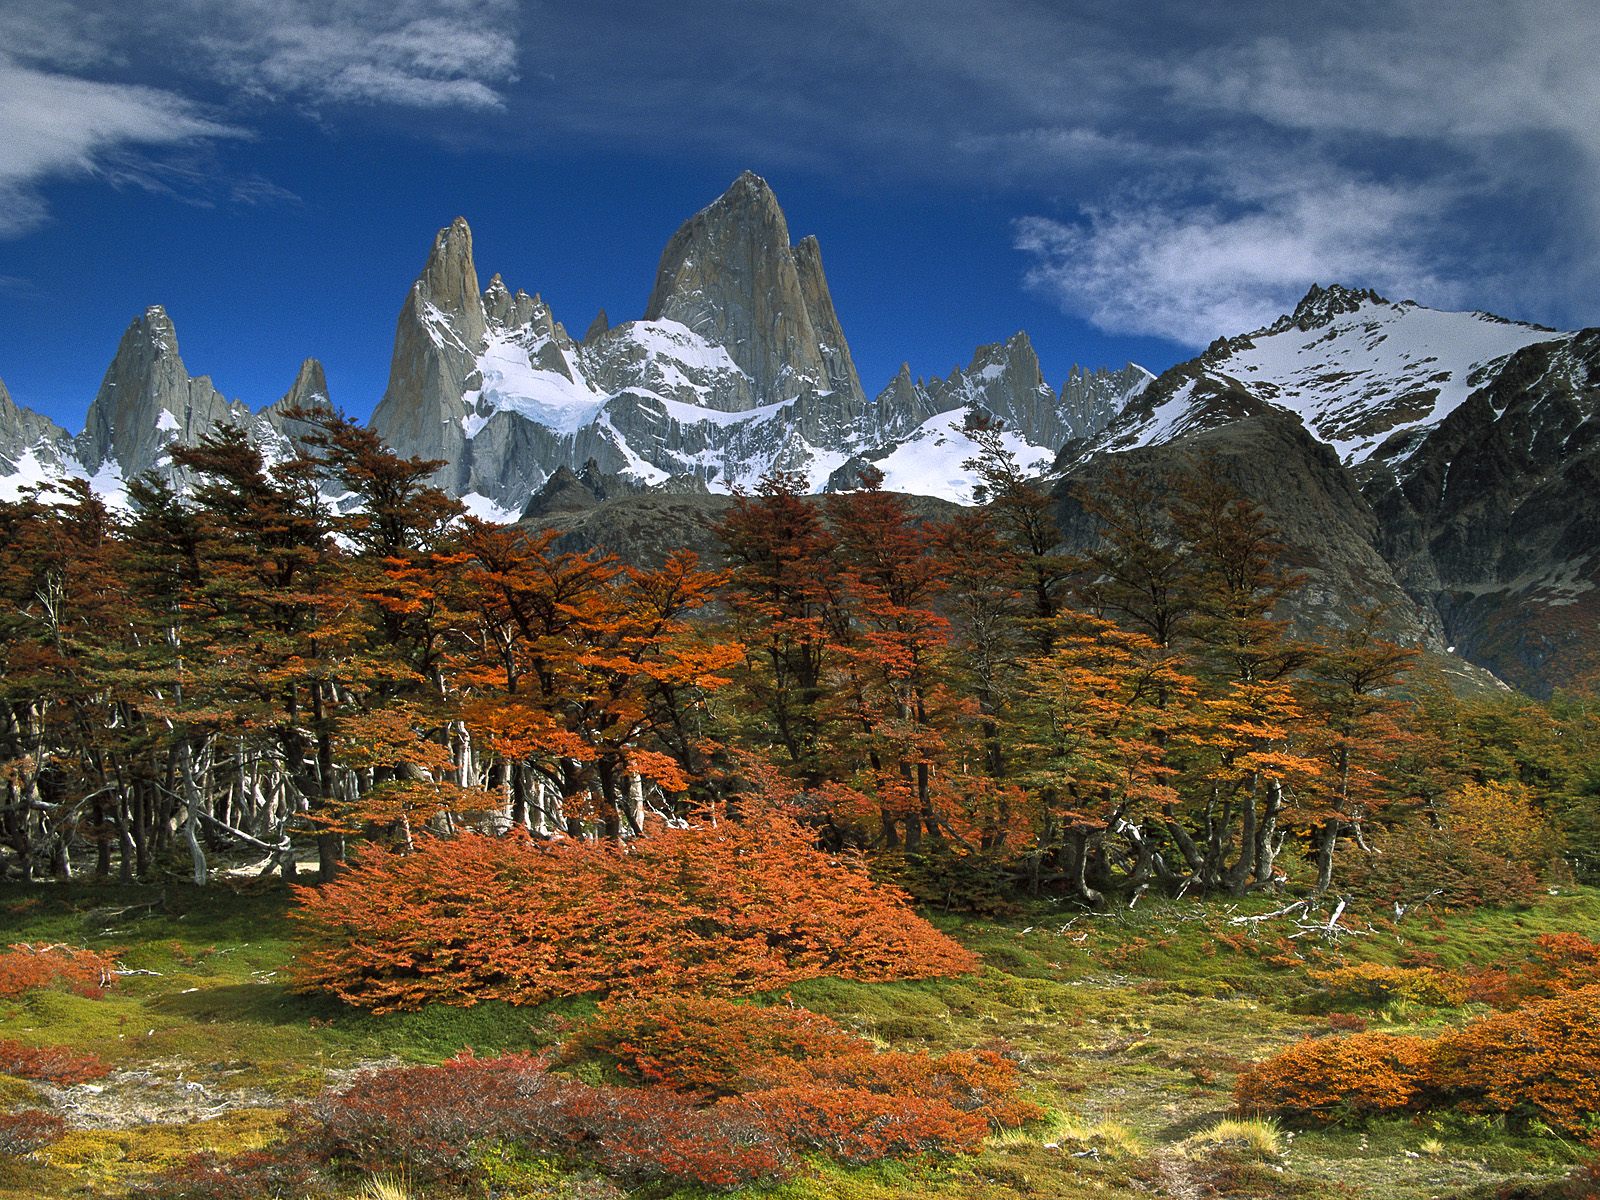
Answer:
(147, 400)
(437, 338)
(731, 276)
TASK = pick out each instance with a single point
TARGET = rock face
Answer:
(1091, 400)
(730, 275)
(437, 340)
(1493, 519)
(147, 401)
(739, 367)
(1328, 528)
(33, 448)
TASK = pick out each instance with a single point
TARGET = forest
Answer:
(464, 768)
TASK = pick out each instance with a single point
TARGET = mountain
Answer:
(1443, 464)
(33, 449)
(1492, 517)
(739, 367)
(147, 401)
(1367, 376)
(1471, 440)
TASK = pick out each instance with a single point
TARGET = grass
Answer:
(1129, 1027)
(1261, 1138)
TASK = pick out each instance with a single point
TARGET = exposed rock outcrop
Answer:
(147, 401)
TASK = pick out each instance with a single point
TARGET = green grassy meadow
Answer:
(1129, 1027)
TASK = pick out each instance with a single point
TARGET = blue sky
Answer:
(1123, 180)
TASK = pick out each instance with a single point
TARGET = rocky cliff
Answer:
(147, 401)
(739, 367)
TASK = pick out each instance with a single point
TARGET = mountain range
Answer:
(1444, 465)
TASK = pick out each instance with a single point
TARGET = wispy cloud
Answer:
(406, 53)
(55, 126)
(1191, 272)
(92, 89)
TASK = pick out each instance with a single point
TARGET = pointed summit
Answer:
(308, 393)
(147, 400)
(310, 388)
(1321, 305)
(449, 281)
(598, 326)
(731, 276)
(436, 343)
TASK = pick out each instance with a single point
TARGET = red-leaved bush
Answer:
(26, 966)
(1541, 1061)
(706, 1046)
(809, 1081)
(428, 1121)
(1334, 1078)
(29, 1130)
(49, 1064)
(735, 908)
(793, 1081)
(1559, 963)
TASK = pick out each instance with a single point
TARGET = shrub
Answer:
(976, 1083)
(49, 1064)
(1540, 1062)
(858, 1126)
(29, 1130)
(25, 967)
(1331, 1078)
(730, 909)
(277, 1172)
(428, 1121)
(731, 1092)
(711, 1047)
(706, 1046)
(1372, 985)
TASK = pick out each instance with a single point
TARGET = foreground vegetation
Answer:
(616, 866)
(1128, 1029)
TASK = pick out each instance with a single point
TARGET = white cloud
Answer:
(1193, 273)
(56, 126)
(405, 53)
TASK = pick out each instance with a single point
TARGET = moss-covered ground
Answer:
(1130, 1027)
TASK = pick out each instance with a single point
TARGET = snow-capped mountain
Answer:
(1367, 376)
(739, 367)
(1470, 443)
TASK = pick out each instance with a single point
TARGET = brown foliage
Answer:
(1333, 1078)
(49, 1064)
(1541, 1062)
(735, 908)
(27, 966)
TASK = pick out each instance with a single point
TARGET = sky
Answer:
(1124, 179)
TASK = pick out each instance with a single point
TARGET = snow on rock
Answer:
(487, 510)
(929, 461)
(1380, 369)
